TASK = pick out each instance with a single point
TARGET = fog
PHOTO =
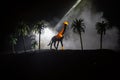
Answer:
(91, 40)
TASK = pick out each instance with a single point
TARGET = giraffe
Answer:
(59, 37)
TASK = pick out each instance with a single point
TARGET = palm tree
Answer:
(23, 30)
(13, 42)
(101, 28)
(38, 27)
(79, 27)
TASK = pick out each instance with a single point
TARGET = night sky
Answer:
(110, 9)
(31, 11)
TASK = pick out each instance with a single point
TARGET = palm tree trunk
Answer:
(24, 44)
(101, 36)
(39, 40)
(13, 48)
(81, 41)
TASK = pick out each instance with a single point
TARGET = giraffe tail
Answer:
(49, 43)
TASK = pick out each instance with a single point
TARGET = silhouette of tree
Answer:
(23, 30)
(13, 42)
(101, 28)
(79, 27)
(38, 27)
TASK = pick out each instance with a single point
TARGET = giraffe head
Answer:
(65, 23)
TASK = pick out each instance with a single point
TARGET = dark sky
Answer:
(30, 11)
(111, 9)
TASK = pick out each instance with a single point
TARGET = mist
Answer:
(91, 40)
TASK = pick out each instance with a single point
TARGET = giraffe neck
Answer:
(61, 33)
(63, 30)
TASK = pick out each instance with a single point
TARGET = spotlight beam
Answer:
(78, 1)
(67, 14)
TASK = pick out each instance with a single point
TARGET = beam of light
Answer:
(67, 14)
(78, 1)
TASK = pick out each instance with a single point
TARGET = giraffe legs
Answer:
(54, 40)
(57, 45)
(62, 45)
(54, 45)
(51, 45)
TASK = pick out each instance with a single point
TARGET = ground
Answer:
(77, 64)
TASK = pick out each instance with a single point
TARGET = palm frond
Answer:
(101, 27)
(13, 39)
(23, 29)
(78, 25)
(39, 26)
